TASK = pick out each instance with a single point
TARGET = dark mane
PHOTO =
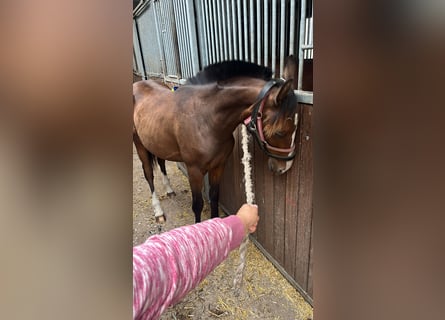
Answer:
(230, 69)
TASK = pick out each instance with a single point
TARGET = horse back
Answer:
(144, 88)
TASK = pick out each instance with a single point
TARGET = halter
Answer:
(254, 124)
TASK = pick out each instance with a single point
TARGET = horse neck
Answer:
(235, 103)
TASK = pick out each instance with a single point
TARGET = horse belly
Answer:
(157, 136)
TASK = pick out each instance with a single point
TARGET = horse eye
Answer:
(280, 134)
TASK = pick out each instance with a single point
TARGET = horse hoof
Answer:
(171, 194)
(161, 219)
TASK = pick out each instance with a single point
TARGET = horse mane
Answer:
(222, 71)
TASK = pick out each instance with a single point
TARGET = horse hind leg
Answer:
(165, 178)
(147, 160)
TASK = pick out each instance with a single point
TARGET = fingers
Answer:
(252, 228)
(248, 213)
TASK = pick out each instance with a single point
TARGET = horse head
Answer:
(274, 124)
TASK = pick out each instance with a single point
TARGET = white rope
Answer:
(250, 199)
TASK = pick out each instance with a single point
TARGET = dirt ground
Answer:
(265, 293)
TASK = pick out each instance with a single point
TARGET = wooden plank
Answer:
(304, 202)
(227, 189)
(227, 192)
(310, 282)
(285, 205)
(258, 161)
(268, 206)
(290, 228)
(226, 182)
(279, 211)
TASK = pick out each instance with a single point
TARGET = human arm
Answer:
(167, 266)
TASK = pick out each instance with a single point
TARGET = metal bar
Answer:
(293, 18)
(137, 7)
(205, 21)
(215, 30)
(192, 35)
(144, 75)
(206, 18)
(136, 49)
(217, 18)
(135, 66)
(246, 30)
(266, 33)
(202, 32)
(306, 35)
(216, 40)
(186, 41)
(194, 54)
(274, 37)
(311, 37)
(159, 13)
(224, 30)
(306, 97)
(300, 49)
(186, 45)
(176, 21)
(240, 33)
(209, 30)
(160, 44)
(258, 32)
(252, 32)
(220, 30)
(140, 7)
(174, 39)
(230, 30)
(234, 30)
(165, 35)
(282, 34)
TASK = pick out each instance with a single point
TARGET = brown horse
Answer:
(195, 124)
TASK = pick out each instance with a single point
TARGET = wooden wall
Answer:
(284, 232)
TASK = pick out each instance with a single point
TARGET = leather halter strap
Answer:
(254, 124)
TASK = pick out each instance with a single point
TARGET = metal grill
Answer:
(180, 37)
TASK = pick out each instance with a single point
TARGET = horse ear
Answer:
(282, 92)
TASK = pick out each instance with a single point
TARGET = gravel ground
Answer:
(265, 293)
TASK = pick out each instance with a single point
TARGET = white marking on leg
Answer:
(166, 182)
(156, 205)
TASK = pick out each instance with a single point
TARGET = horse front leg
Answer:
(195, 180)
(214, 181)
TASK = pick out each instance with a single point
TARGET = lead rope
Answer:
(250, 199)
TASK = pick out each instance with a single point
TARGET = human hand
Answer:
(248, 213)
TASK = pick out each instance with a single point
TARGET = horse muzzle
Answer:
(279, 167)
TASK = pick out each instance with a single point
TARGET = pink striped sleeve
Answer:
(169, 265)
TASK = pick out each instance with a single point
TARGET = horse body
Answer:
(195, 125)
